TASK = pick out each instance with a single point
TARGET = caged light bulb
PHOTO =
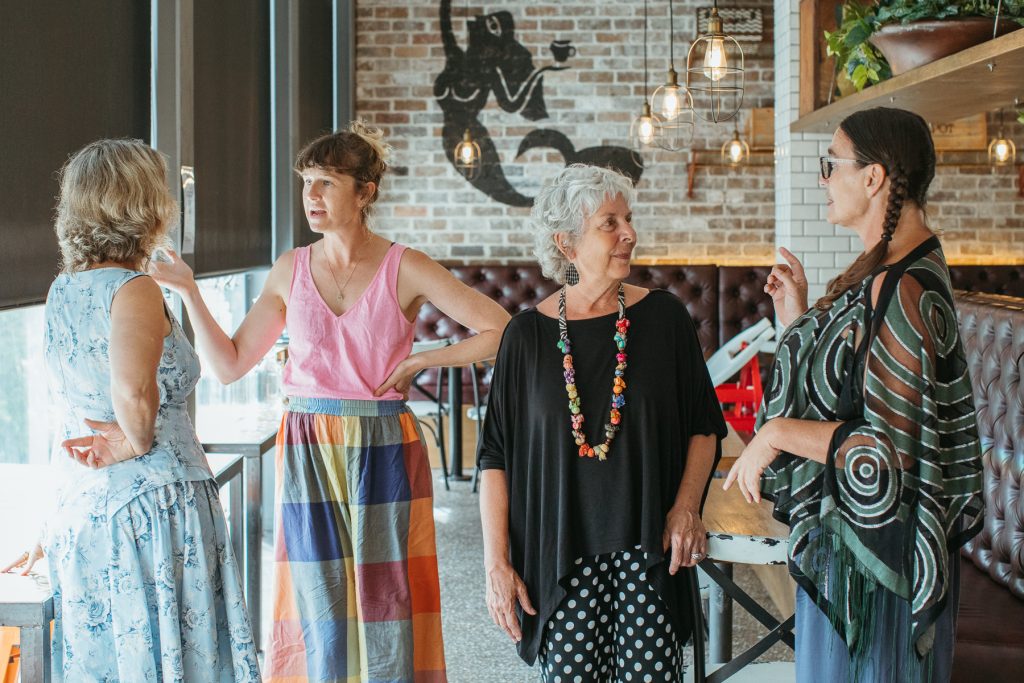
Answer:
(670, 104)
(715, 61)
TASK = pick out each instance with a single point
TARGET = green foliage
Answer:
(906, 11)
(864, 65)
(1020, 115)
(855, 56)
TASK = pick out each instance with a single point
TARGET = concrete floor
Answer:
(475, 649)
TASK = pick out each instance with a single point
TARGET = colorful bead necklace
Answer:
(618, 385)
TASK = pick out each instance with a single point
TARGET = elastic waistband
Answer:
(345, 407)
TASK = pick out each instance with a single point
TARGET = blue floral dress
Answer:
(145, 583)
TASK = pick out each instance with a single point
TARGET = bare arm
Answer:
(504, 586)
(138, 326)
(232, 357)
(700, 457)
(421, 279)
(684, 531)
(494, 517)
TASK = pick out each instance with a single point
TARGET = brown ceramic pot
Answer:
(908, 46)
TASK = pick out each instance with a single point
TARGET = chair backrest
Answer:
(722, 358)
(725, 363)
(430, 345)
(748, 335)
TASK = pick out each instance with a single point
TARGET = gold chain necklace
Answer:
(340, 297)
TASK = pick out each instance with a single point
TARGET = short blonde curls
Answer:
(114, 205)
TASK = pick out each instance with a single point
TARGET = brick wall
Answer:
(399, 54)
(736, 215)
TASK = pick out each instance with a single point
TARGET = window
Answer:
(25, 418)
(229, 298)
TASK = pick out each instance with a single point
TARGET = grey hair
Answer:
(564, 203)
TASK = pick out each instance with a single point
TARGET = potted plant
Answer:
(904, 34)
(858, 63)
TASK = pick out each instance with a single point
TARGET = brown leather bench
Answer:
(990, 628)
(722, 300)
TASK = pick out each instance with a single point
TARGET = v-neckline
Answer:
(362, 295)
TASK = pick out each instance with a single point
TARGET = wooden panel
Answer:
(950, 88)
(808, 56)
(970, 133)
(761, 128)
(816, 67)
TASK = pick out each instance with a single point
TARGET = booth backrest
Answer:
(1008, 280)
(721, 299)
(992, 328)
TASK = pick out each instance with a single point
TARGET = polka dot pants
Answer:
(611, 626)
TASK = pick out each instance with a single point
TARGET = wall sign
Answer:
(495, 62)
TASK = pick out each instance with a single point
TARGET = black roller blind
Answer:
(70, 73)
(232, 135)
(316, 91)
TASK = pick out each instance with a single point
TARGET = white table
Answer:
(25, 601)
(247, 432)
(739, 532)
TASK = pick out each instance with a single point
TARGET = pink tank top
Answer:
(348, 355)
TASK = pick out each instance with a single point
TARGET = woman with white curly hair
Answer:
(145, 583)
(601, 435)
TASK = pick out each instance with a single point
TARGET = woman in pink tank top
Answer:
(356, 594)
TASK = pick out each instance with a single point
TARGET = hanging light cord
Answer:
(645, 50)
(671, 39)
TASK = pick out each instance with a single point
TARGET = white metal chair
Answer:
(729, 359)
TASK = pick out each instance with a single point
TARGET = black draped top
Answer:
(562, 506)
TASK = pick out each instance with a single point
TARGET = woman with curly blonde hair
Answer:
(356, 585)
(145, 583)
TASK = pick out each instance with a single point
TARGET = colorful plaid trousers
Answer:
(356, 592)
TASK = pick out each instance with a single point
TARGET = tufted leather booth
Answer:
(723, 300)
(990, 631)
(1008, 280)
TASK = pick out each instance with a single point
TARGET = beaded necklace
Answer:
(618, 385)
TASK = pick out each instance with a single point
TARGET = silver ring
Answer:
(696, 556)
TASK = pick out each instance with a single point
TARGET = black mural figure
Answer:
(495, 61)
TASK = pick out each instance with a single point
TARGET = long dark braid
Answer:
(902, 143)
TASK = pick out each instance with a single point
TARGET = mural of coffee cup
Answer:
(561, 50)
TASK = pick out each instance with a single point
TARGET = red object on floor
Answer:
(744, 395)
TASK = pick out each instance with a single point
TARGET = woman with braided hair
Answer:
(867, 440)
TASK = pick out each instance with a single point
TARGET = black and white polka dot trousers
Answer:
(612, 627)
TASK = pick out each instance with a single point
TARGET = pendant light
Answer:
(714, 72)
(671, 102)
(736, 151)
(645, 131)
(468, 160)
(1001, 150)
(467, 156)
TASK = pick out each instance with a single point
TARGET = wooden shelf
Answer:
(945, 90)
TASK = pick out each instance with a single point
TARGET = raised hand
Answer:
(173, 273)
(787, 286)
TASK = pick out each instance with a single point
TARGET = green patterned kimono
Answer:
(901, 488)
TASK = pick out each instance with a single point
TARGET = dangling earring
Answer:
(572, 276)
